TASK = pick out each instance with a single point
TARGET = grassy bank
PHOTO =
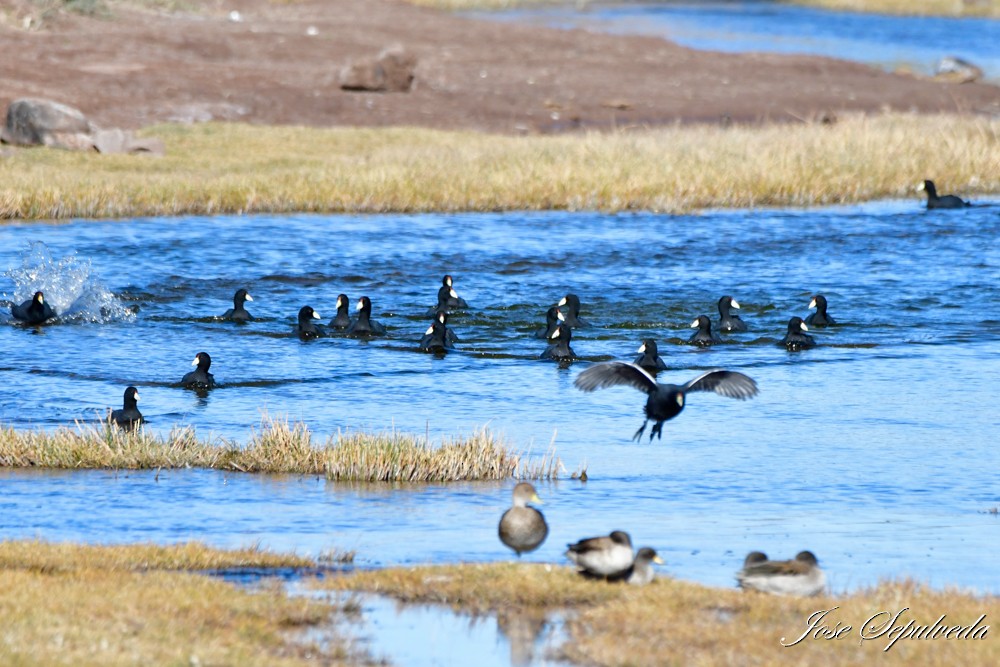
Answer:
(988, 8)
(75, 605)
(676, 623)
(277, 447)
(231, 168)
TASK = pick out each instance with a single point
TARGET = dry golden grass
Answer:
(985, 8)
(219, 168)
(278, 447)
(62, 557)
(677, 623)
(71, 605)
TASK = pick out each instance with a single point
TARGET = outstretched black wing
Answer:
(612, 373)
(724, 383)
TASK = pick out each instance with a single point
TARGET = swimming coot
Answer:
(947, 201)
(306, 328)
(238, 313)
(523, 528)
(704, 336)
(34, 310)
(665, 401)
(729, 322)
(571, 312)
(199, 378)
(365, 325)
(795, 340)
(129, 416)
(342, 320)
(820, 318)
(435, 339)
(553, 316)
(649, 357)
(559, 348)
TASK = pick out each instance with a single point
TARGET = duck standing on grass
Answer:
(523, 528)
(608, 556)
(800, 577)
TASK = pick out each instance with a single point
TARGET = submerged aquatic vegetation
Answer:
(232, 168)
(677, 622)
(66, 604)
(278, 447)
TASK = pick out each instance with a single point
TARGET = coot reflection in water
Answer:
(860, 449)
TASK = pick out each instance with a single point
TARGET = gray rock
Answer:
(953, 69)
(121, 141)
(391, 71)
(34, 122)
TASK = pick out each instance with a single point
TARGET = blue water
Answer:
(889, 42)
(876, 450)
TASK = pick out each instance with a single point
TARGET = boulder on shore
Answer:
(392, 71)
(35, 122)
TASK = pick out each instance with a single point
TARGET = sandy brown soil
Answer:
(137, 68)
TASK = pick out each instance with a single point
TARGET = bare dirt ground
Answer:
(136, 68)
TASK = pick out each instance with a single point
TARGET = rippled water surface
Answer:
(877, 449)
(889, 42)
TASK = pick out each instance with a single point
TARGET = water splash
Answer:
(69, 284)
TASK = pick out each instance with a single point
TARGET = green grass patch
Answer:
(234, 168)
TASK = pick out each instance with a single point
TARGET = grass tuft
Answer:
(278, 447)
(233, 168)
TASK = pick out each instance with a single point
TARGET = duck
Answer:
(641, 572)
(649, 358)
(665, 401)
(820, 318)
(553, 316)
(606, 556)
(238, 313)
(727, 321)
(947, 201)
(199, 378)
(342, 319)
(34, 310)
(523, 528)
(571, 312)
(795, 340)
(306, 328)
(800, 577)
(704, 336)
(435, 339)
(129, 416)
(364, 325)
(559, 348)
